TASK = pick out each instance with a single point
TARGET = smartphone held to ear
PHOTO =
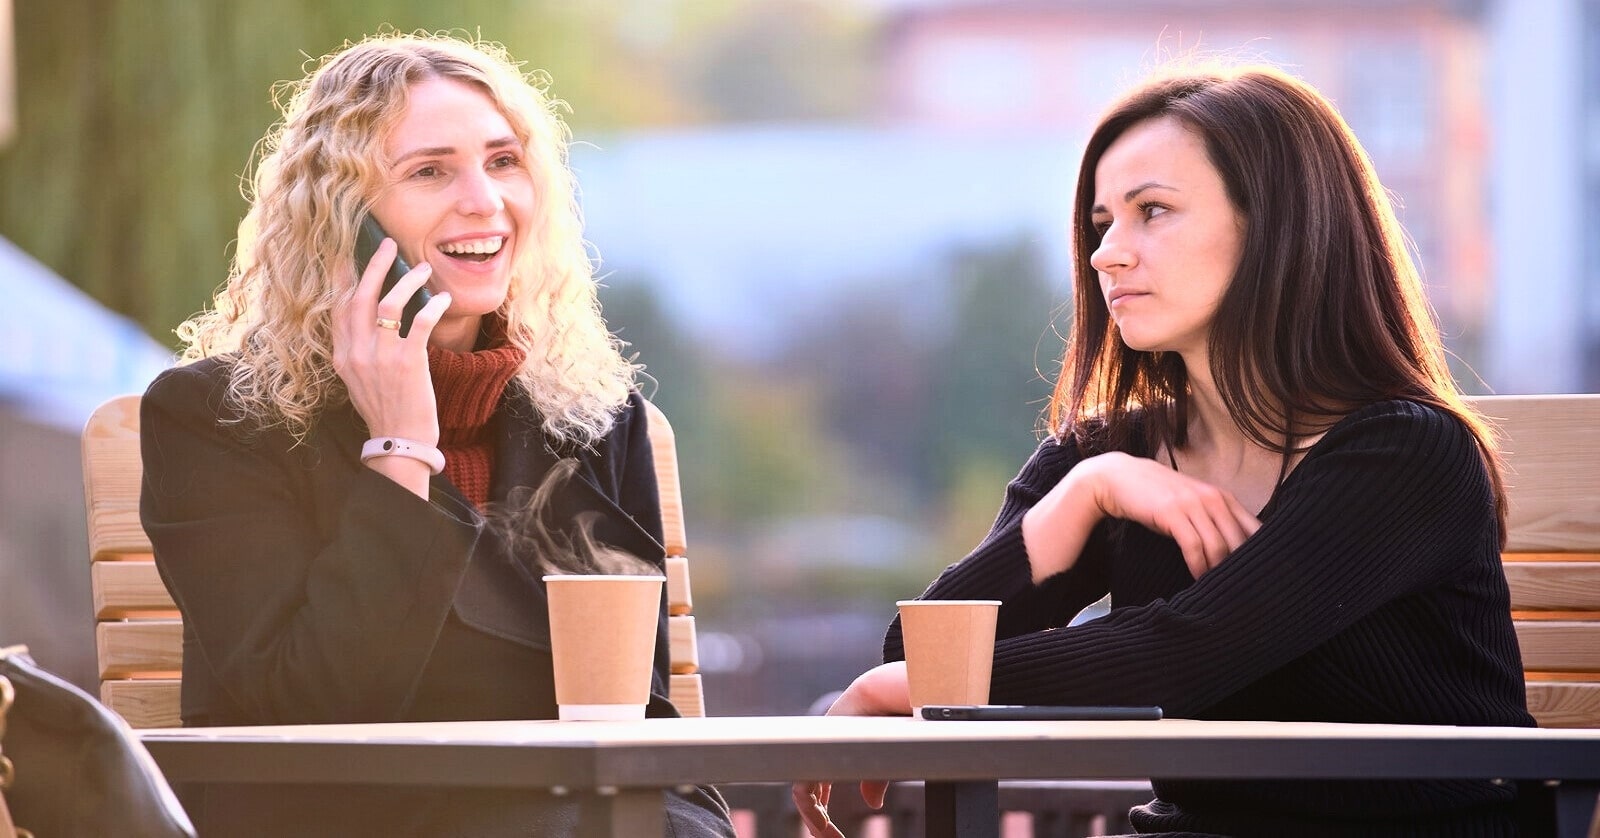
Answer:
(368, 237)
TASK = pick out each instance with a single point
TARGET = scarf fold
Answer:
(467, 387)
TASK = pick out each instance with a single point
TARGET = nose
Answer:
(1113, 254)
(478, 194)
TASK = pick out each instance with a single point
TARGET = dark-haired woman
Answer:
(1257, 451)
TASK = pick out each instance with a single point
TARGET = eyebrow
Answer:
(445, 150)
(1128, 196)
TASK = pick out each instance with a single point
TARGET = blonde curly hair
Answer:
(319, 171)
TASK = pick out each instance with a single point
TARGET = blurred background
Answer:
(834, 231)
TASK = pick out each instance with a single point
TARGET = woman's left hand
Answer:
(881, 691)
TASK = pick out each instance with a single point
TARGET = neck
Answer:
(1212, 432)
(1205, 402)
(457, 334)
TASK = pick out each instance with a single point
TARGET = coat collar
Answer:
(502, 593)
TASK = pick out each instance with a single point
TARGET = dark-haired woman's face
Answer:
(1170, 238)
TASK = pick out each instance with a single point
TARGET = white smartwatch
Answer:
(393, 446)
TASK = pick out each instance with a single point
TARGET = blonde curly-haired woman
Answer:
(317, 477)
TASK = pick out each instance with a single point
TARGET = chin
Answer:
(475, 303)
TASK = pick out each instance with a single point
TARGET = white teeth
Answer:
(489, 245)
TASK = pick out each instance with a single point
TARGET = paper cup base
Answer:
(601, 712)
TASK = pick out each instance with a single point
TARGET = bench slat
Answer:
(1555, 498)
(688, 694)
(1564, 703)
(680, 597)
(112, 472)
(144, 703)
(1559, 645)
(140, 648)
(684, 645)
(129, 589)
(1554, 586)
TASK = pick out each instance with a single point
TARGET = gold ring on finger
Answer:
(386, 323)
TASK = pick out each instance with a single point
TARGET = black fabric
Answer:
(80, 771)
(1373, 592)
(315, 590)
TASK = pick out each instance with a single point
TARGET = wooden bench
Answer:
(1552, 558)
(139, 634)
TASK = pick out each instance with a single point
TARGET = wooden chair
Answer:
(138, 632)
(1552, 556)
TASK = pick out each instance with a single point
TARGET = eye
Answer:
(1100, 226)
(1151, 209)
(425, 172)
(505, 161)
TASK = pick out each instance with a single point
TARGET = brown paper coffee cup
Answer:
(603, 641)
(949, 650)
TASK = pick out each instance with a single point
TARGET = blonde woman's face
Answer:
(459, 196)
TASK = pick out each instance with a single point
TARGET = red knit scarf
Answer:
(468, 387)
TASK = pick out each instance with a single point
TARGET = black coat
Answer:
(315, 590)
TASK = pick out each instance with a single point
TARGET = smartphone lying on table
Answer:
(1036, 712)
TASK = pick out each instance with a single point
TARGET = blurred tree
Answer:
(750, 447)
(989, 373)
(784, 60)
(137, 120)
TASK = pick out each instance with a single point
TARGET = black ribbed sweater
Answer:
(1373, 592)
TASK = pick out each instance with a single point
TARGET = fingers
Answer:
(873, 791)
(394, 302)
(427, 317)
(810, 801)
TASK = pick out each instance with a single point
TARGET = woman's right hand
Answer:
(386, 375)
(880, 691)
(1208, 522)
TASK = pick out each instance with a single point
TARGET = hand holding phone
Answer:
(368, 237)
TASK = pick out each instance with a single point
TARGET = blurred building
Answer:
(1545, 96)
(1406, 74)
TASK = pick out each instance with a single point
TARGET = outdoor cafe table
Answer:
(618, 768)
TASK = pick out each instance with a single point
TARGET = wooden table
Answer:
(619, 767)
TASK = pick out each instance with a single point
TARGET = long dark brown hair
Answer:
(1325, 311)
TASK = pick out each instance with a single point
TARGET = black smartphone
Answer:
(1037, 712)
(368, 237)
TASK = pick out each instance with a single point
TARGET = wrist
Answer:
(393, 446)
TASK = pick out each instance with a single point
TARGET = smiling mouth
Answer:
(474, 250)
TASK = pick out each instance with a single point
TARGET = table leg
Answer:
(621, 813)
(1576, 809)
(962, 810)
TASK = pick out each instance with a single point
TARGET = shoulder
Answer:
(629, 434)
(1405, 423)
(198, 387)
(629, 421)
(1400, 437)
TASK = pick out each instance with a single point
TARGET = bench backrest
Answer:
(1552, 557)
(138, 632)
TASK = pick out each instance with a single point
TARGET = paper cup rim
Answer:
(600, 577)
(915, 602)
